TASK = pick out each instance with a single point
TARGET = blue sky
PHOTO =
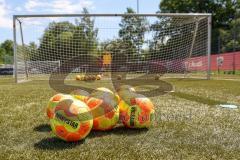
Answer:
(11, 7)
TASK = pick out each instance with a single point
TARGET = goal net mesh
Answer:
(170, 46)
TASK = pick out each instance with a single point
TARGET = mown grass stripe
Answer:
(198, 99)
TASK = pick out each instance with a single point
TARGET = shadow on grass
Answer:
(56, 144)
(191, 79)
(43, 128)
(119, 130)
(203, 100)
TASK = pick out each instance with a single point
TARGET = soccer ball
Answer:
(98, 77)
(72, 120)
(80, 94)
(78, 77)
(138, 112)
(94, 77)
(104, 108)
(90, 77)
(86, 78)
(82, 77)
(119, 77)
(53, 102)
(157, 77)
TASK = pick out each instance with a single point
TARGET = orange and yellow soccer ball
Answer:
(104, 108)
(72, 120)
(98, 77)
(79, 77)
(80, 95)
(137, 112)
(53, 102)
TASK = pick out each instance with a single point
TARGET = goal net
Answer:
(170, 45)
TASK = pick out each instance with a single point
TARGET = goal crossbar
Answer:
(117, 15)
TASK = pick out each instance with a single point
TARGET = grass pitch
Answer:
(188, 125)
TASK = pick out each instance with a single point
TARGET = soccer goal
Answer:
(166, 44)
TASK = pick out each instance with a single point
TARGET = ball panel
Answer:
(85, 128)
(71, 137)
(145, 104)
(80, 94)
(138, 114)
(94, 102)
(66, 123)
(61, 131)
(50, 113)
(104, 108)
(57, 97)
(123, 106)
(53, 102)
(109, 114)
(127, 96)
(104, 124)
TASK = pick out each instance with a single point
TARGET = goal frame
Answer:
(208, 15)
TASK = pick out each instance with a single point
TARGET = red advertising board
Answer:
(225, 62)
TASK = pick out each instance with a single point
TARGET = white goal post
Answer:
(170, 44)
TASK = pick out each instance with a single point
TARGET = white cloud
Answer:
(58, 6)
(18, 9)
(5, 21)
(32, 5)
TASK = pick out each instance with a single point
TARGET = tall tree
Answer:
(56, 42)
(8, 47)
(223, 12)
(170, 37)
(6, 52)
(31, 49)
(230, 39)
(132, 31)
(61, 39)
(90, 32)
(2, 54)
